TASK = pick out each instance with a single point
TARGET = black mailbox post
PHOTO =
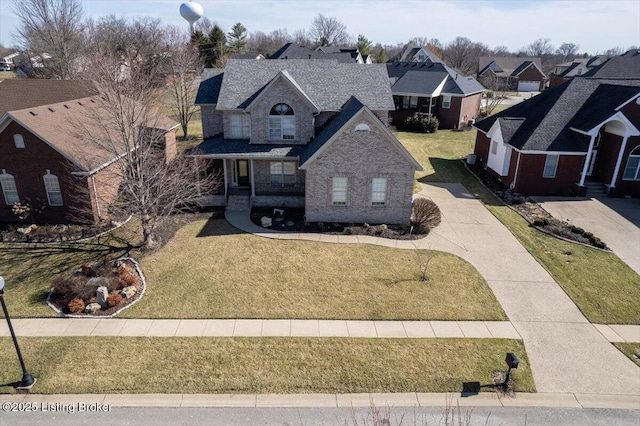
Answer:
(512, 362)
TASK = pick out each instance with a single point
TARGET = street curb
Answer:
(485, 399)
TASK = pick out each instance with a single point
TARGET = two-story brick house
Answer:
(305, 133)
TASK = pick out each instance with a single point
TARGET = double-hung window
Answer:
(339, 191)
(282, 123)
(446, 101)
(282, 173)
(52, 186)
(9, 188)
(550, 166)
(240, 126)
(379, 191)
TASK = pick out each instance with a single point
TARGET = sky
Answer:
(595, 25)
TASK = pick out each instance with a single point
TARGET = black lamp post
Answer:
(27, 379)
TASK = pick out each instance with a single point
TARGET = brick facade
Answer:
(532, 74)
(360, 156)
(211, 121)
(281, 92)
(28, 166)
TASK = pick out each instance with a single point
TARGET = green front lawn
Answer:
(211, 270)
(631, 350)
(81, 365)
(605, 289)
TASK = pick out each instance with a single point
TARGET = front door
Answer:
(592, 163)
(242, 173)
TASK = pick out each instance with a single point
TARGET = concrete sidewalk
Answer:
(45, 327)
(380, 400)
(566, 352)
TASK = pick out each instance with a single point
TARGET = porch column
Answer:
(224, 172)
(253, 186)
(620, 155)
(587, 160)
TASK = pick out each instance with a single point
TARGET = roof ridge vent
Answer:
(33, 113)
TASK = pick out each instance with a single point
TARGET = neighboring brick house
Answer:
(305, 133)
(581, 134)
(433, 88)
(576, 68)
(511, 73)
(44, 156)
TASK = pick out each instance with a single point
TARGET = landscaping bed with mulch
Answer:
(292, 220)
(77, 294)
(32, 233)
(533, 213)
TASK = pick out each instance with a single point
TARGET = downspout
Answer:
(587, 160)
(95, 194)
(224, 172)
(618, 162)
(515, 177)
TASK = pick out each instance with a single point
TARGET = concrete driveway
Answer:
(616, 221)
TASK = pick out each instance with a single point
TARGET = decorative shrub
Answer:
(426, 214)
(87, 270)
(541, 221)
(114, 299)
(76, 306)
(576, 230)
(419, 123)
(127, 279)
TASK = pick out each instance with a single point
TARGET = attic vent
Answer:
(50, 109)
(80, 103)
(66, 106)
(32, 113)
(638, 100)
(92, 101)
(363, 127)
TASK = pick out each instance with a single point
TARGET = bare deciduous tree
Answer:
(492, 98)
(463, 54)
(154, 182)
(329, 31)
(52, 31)
(567, 50)
(539, 47)
(183, 67)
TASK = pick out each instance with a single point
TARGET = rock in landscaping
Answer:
(289, 223)
(92, 308)
(101, 294)
(97, 282)
(128, 292)
(266, 221)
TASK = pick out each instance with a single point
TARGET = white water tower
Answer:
(191, 12)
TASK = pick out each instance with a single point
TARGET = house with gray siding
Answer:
(305, 133)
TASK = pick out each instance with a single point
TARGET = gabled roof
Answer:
(550, 116)
(65, 126)
(509, 126)
(293, 51)
(350, 110)
(285, 76)
(328, 84)
(507, 65)
(411, 51)
(18, 94)
(210, 85)
(622, 67)
(423, 76)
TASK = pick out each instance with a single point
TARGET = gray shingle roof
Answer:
(618, 67)
(328, 84)
(506, 64)
(456, 83)
(293, 51)
(350, 108)
(509, 126)
(548, 117)
(217, 145)
(209, 88)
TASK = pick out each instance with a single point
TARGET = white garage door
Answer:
(528, 86)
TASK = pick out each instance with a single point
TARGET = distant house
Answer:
(416, 54)
(435, 89)
(576, 68)
(305, 133)
(511, 73)
(340, 54)
(45, 158)
(256, 56)
(578, 138)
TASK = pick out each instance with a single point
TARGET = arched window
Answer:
(9, 188)
(282, 123)
(52, 186)
(632, 171)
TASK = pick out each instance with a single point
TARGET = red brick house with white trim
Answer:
(583, 133)
(45, 158)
